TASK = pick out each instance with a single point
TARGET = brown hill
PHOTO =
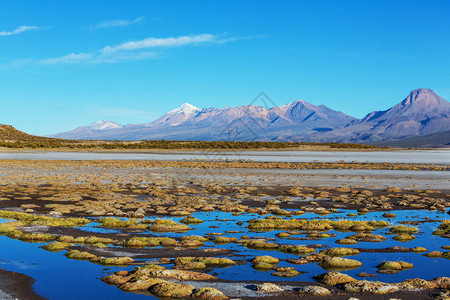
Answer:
(10, 134)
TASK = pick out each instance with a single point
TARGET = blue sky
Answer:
(70, 63)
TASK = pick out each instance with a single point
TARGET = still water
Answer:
(423, 157)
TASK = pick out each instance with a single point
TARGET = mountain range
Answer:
(421, 113)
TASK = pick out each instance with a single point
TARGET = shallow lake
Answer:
(58, 277)
(419, 156)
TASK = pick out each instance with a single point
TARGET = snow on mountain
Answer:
(177, 116)
(422, 112)
(104, 125)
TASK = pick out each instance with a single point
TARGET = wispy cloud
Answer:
(119, 23)
(68, 59)
(161, 42)
(19, 30)
(133, 50)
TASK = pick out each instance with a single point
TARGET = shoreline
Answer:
(15, 285)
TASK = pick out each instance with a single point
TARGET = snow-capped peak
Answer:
(104, 125)
(185, 108)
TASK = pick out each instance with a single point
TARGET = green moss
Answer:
(165, 225)
(56, 246)
(191, 220)
(225, 240)
(404, 237)
(42, 220)
(296, 249)
(340, 263)
(265, 259)
(340, 251)
(117, 223)
(116, 261)
(403, 229)
(259, 244)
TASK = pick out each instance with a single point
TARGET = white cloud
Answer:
(119, 23)
(161, 42)
(134, 50)
(68, 59)
(18, 30)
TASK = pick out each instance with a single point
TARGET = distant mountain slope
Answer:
(90, 132)
(435, 140)
(422, 112)
(246, 123)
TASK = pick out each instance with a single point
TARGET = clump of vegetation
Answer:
(117, 223)
(403, 229)
(282, 235)
(264, 262)
(172, 290)
(225, 240)
(208, 293)
(188, 262)
(295, 249)
(335, 278)
(340, 251)
(116, 261)
(395, 265)
(140, 241)
(347, 241)
(339, 263)
(319, 225)
(435, 254)
(81, 255)
(404, 237)
(42, 220)
(389, 215)
(443, 229)
(56, 246)
(191, 220)
(285, 272)
(166, 225)
(419, 249)
(258, 244)
(367, 237)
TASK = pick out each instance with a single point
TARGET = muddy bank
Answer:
(17, 286)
